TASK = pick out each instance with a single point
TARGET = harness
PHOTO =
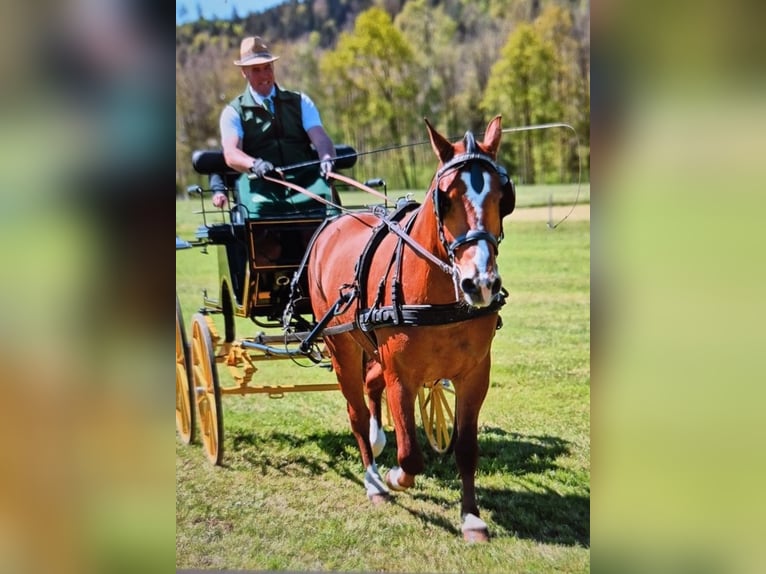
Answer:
(370, 316)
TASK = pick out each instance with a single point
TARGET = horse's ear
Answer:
(492, 135)
(441, 146)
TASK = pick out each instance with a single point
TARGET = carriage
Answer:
(258, 258)
(335, 286)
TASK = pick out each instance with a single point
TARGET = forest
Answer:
(376, 68)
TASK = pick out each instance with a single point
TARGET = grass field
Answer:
(290, 494)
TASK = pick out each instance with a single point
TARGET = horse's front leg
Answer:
(470, 396)
(401, 400)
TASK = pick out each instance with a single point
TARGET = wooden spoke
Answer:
(437, 410)
(207, 389)
(184, 389)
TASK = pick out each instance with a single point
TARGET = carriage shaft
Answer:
(279, 389)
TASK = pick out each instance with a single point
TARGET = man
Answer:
(267, 126)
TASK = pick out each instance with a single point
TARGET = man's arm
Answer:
(235, 158)
(231, 141)
(324, 146)
(231, 144)
(322, 142)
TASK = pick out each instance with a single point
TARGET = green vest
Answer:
(281, 140)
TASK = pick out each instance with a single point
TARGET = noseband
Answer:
(458, 162)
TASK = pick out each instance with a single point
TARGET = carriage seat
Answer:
(210, 161)
(269, 200)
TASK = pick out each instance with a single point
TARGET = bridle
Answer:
(458, 162)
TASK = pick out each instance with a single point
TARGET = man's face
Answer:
(260, 77)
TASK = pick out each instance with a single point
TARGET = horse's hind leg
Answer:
(470, 396)
(375, 384)
(347, 361)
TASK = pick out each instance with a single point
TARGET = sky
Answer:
(220, 8)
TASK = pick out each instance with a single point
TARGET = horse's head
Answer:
(471, 195)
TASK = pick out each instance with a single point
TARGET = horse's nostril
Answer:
(496, 286)
(468, 286)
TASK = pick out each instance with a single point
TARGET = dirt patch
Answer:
(556, 214)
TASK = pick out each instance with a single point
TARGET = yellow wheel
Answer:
(208, 391)
(385, 413)
(184, 388)
(437, 410)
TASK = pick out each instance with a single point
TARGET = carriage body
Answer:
(257, 259)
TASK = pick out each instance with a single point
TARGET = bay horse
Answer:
(442, 259)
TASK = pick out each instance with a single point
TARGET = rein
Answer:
(457, 162)
(392, 225)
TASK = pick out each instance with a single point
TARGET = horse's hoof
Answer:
(378, 499)
(393, 480)
(374, 484)
(474, 529)
(472, 536)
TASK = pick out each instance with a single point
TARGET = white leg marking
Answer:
(392, 478)
(473, 522)
(373, 482)
(377, 437)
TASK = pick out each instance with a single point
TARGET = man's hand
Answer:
(261, 167)
(220, 199)
(325, 167)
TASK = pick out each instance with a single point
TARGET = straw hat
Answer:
(254, 51)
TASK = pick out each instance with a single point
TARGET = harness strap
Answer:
(396, 291)
(340, 306)
(418, 316)
(423, 315)
(396, 286)
(462, 159)
(471, 236)
(396, 229)
(364, 262)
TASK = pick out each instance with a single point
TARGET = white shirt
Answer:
(231, 123)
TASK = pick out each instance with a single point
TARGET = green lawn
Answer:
(290, 494)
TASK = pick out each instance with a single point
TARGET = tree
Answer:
(372, 79)
(431, 33)
(203, 87)
(569, 91)
(520, 85)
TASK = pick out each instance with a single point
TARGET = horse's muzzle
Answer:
(479, 290)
